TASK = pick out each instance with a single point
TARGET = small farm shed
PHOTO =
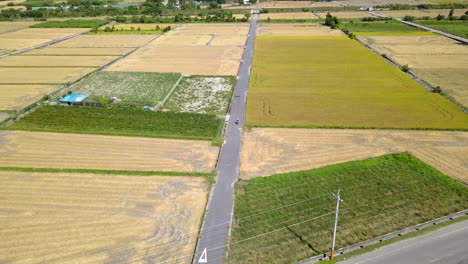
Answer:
(73, 99)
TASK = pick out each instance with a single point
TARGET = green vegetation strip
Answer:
(289, 217)
(336, 82)
(378, 26)
(120, 121)
(112, 172)
(71, 24)
(459, 28)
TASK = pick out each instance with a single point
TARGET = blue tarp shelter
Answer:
(73, 98)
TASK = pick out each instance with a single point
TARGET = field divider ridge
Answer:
(386, 237)
(169, 93)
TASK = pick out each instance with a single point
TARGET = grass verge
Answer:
(378, 26)
(393, 240)
(119, 121)
(72, 23)
(289, 217)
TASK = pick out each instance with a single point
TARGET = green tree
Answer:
(440, 17)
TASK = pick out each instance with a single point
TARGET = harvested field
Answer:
(79, 51)
(181, 40)
(309, 29)
(194, 60)
(451, 80)
(298, 15)
(346, 14)
(425, 55)
(228, 41)
(203, 95)
(42, 33)
(16, 97)
(106, 41)
(239, 29)
(30, 37)
(268, 151)
(27, 75)
(369, 3)
(296, 4)
(80, 151)
(422, 13)
(368, 92)
(6, 26)
(90, 218)
(55, 61)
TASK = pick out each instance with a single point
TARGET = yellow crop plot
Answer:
(18, 44)
(90, 218)
(303, 29)
(296, 4)
(438, 60)
(268, 151)
(43, 33)
(298, 15)
(6, 26)
(28, 75)
(106, 41)
(51, 50)
(16, 97)
(55, 61)
(422, 13)
(80, 151)
(199, 60)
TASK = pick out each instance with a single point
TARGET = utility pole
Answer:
(338, 201)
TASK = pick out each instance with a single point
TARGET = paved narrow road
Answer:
(458, 38)
(447, 245)
(216, 227)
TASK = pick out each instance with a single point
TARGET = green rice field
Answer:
(337, 82)
(288, 217)
(459, 28)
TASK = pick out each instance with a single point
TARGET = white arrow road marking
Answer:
(203, 257)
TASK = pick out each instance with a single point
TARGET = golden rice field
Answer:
(42, 75)
(422, 13)
(16, 97)
(55, 61)
(6, 26)
(18, 7)
(18, 44)
(80, 151)
(291, 15)
(295, 82)
(302, 29)
(345, 14)
(52, 50)
(89, 218)
(228, 41)
(438, 60)
(106, 41)
(194, 60)
(285, 4)
(268, 151)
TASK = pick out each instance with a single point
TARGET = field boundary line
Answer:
(413, 76)
(169, 93)
(386, 237)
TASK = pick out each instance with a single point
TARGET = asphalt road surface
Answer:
(215, 229)
(447, 245)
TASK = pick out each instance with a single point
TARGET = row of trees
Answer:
(440, 17)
